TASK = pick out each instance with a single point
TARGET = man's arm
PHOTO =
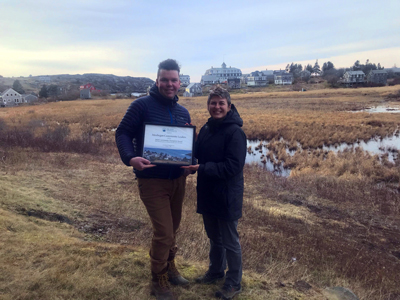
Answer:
(129, 129)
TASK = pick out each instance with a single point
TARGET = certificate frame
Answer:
(168, 144)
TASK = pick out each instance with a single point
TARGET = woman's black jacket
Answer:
(221, 152)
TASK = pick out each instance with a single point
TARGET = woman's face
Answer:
(218, 107)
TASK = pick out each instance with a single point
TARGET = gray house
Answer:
(29, 98)
(270, 75)
(353, 77)
(209, 79)
(377, 76)
(257, 79)
(10, 98)
(192, 90)
(394, 70)
(305, 75)
(85, 94)
(234, 83)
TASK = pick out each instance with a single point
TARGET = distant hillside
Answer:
(108, 82)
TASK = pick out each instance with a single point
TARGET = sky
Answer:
(130, 37)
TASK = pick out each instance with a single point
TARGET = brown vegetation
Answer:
(72, 225)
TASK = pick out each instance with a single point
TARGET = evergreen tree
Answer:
(356, 66)
(53, 90)
(17, 86)
(327, 66)
(316, 68)
(43, 92)
(295, 69)
(309, 68)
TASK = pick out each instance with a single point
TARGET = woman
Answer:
(221, 152)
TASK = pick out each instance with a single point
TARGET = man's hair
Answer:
(220, 92)
(169, 65)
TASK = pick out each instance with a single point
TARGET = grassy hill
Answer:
(69, 83)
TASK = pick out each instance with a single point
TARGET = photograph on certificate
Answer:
(168, 144)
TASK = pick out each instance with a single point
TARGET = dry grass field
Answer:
(72, 225)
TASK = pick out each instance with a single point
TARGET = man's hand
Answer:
(140, 163)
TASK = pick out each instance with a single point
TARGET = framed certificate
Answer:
(168, 144)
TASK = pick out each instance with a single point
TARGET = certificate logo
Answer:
(169, 130)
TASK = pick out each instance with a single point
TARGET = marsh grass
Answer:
(334, 222)
(323, 230)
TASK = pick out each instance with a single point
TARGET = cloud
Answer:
(132, 37)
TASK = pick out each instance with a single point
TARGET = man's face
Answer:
(168, 83)
(218, 107)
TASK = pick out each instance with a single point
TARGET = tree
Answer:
(316, 68)
(17, 86)
(356, 66)
(295, 69)
(53, 90)
(309, 68)
(327, 66)
(43, 92)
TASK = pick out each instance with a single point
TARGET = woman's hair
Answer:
(220, 92)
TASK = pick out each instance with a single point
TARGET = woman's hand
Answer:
(191, 167)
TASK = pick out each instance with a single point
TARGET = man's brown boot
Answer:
(174, 276)
(159, 286)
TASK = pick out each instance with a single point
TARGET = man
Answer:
(162, 187)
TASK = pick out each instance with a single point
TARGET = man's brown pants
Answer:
(163, 200)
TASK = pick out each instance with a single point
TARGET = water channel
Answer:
(258, 155)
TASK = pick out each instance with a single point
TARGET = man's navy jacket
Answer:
(154, 109)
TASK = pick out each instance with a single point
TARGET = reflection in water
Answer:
(380, 146)
(258, 156)
(387, 145)
(379, 109)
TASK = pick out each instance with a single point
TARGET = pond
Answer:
(258, 154)
(379, 109)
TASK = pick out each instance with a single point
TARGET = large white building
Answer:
(219, 75)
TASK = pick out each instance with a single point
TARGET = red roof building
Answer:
(88, 86)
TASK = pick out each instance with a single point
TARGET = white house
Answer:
(185, 79)
(257, 79)
(219, 75)
(283, 78)
(353, 77)
(10, 98)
